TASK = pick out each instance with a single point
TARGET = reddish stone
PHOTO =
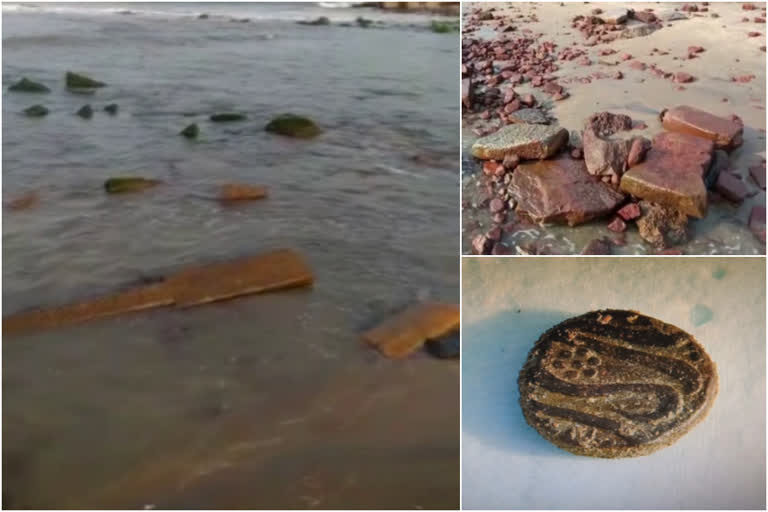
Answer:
(509, 95)
(499, 218)
(637, 151)
(491, 167)
(644, 16)
(629, 211)
(466, 93)
(496, 205)
(695, 49)
(731, 187)
(494, 234)
(500, 250)
(512, 106)
(482, 244)
(662, 226)
(683, 78)
(673, 173)
(577, 154)
(537, 81)
(528, 100)
(617, 225)
(626, 56)
(553, 88)
(726, 133)
(758, 175)
(561, 190)
(754, 34)
(560, 96)
(511, 161)
(759, 20)
(749, 7)
(485, 115)
(618, 75)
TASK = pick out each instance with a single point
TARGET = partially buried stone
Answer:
(561, 191)
(111, 109)
(758, 175)
(408, 330)
(527, 141)
(86, 112)
(36, 111)
(757, 222)
(630, 211)
(598, 246)
(292, 125)
(731, 187)
(529, 116)
(662, 226)
(720, 163)
(616, 383)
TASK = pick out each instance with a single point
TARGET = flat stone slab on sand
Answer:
(726, 133)
(673, 173)
(528, 116)
(561, 190)
(528, 141)
(407, 331)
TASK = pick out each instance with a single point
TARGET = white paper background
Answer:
(720, 464)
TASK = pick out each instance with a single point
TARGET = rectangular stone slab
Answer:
(271, 271)
(725, 133)
(407, 331)
(274, 270)
(673, 173)
(528, 141)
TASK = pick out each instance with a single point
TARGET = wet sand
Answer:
(642, 96)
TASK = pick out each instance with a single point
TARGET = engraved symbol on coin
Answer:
(616, 383)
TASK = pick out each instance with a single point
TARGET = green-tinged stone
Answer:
(227, 117)
(86, 112)
(128, 184)
(700, 315)
(292, 125)
(36, 111)
(444, 27)
(527, 141)
(191, 131)
(111, 108)
(76, 81)
(718, 273)
(27, 85)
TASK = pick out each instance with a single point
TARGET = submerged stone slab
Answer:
(561, 190)
(528, 141)
(407, 331)
(275, 270)
(726, 133)
(673, 173)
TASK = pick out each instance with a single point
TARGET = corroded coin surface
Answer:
(615, 383)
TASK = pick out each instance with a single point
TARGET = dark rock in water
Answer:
(226, 117)
(128, 184)
(111, 109)
(203, 17)
(720, 163)
(77, 81)
(731, 187)
(444, 27)
(662, 226)
(363, 22)
(36, 111)
(322, 20)
(598, 246)
(292, 125)
(561, 190)
(191, 131)
(26, 85)
(86, 112)
(446, 347)
(726, 133)
(673, 173)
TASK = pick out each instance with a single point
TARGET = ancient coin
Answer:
(616, 383)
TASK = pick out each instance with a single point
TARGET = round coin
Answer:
(615, 383)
